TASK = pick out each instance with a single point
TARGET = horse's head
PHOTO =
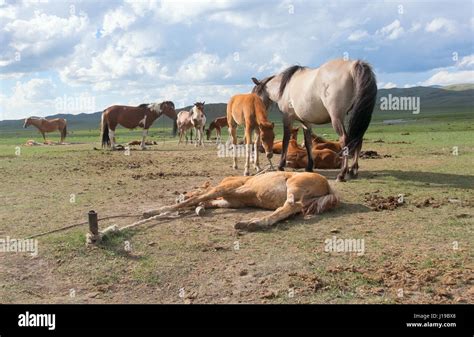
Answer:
(198, 110)
(27, 122)
(260, 89)
(267, 136)
(294, 133)
(167, 108)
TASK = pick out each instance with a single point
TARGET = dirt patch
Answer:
(380, 203)
(369, 154)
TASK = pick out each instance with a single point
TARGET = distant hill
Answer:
(458, 96)
(459, 87)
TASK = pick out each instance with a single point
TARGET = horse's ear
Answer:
(273, 125)
(203, 102)
(254, 80)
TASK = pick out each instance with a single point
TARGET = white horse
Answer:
(196, 118)
(322, 95)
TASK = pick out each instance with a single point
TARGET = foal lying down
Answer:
(287, 193)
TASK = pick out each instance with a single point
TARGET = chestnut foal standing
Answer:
(249, 110)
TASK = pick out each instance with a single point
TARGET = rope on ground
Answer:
(83, 223)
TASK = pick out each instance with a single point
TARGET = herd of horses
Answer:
(337, 89)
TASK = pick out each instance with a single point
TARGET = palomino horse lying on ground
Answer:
(187, 120)
(217, 124)
(288, 193)
(249, 110)
(132, 116)
(44, 125)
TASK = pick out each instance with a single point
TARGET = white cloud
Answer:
(44, 31)
(441, 24)
(445, 77)
(201, 67)
(8, 12)
(358, 35)
(117, 19)
(389, 85)
(466, 61)
(392, 31)
(34, 96)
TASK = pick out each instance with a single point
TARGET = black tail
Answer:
(363, 104)
(175, 127)
(64, 132)
(105, 132)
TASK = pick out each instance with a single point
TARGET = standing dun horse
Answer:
(249, 110)
(194, 119)
(44, 125)
(217, 124)
(325, 94)
(131, 117)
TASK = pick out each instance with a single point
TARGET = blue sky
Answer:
(82, 56)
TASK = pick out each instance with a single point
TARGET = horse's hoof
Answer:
(246, 173)
(308, 169)
(281, 168)
(340, 179)
(353, 175)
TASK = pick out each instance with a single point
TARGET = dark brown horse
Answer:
(131, 117)
(217, 124)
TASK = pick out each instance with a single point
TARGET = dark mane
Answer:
(169, 103)
(143, 105)
(287, 75)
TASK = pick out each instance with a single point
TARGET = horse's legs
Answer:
(144, 134)
(218, 134)
(338, 126)
(248, 149)
(233, 135)
(308, 145)
(255, 148)
(224, 188)
(286, 141)
(44, 137)
(201, 136)
(354, 170)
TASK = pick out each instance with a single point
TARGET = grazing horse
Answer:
(288, 193)
(217, 124)
(249, 110)
(132, 116)
(322, 95)
(196, 118)
(44, 125)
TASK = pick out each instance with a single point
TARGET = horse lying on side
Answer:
(288, 193)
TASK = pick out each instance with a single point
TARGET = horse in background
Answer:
(187, 120)
(131, 117)
(321, 95)
(217, 124)
(44, 125)
(249, 110)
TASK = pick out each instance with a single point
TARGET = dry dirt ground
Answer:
(419, 251)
